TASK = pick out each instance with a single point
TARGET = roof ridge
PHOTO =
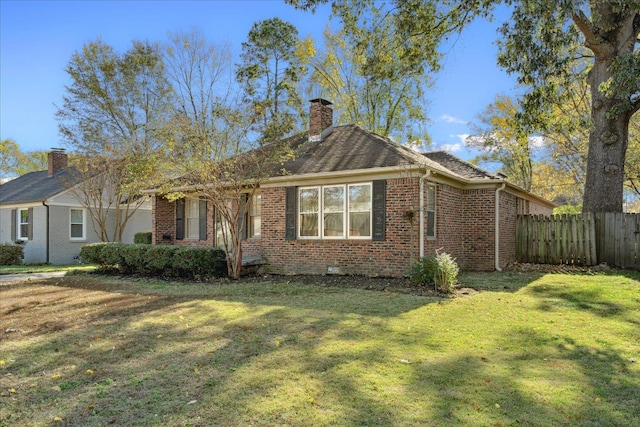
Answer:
(469, 164)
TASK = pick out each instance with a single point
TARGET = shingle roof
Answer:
(32, 187)
(458, 166)
(350, 147)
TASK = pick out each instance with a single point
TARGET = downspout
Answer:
(44, 203)
(421, 227)
(497, 230)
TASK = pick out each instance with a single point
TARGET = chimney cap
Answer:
(321, 101)
(58, 149)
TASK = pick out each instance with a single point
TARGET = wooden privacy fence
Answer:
(586, 239)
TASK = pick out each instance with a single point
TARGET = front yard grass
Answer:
(44, 268)
(528, 349)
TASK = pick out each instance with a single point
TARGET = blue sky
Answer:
(37, 39)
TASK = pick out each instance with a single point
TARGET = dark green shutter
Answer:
(14, 224)
(30, 224)
(290, 213)
(378, 208)
(202, 218)
(242, 216)
(179, 219)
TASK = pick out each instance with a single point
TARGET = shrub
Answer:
(422, 272)
(440, 270)
(11, 254)
(446, 276)
(142, 238)
(162, 260)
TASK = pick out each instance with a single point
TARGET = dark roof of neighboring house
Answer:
(32, 187)
(458, 166)
(350, 147)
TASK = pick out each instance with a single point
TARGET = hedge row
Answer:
(11, 254)
(163, 260)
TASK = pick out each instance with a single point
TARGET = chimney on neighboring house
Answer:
(57, 160)
(320, 119)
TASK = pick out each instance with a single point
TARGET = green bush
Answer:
(440, 270)
(11, 254)
(142, 238)
(422, 272)
(161, 260)
(446, 277)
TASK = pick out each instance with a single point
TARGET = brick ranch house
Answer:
(353, 202)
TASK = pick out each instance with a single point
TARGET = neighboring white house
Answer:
(37, 210)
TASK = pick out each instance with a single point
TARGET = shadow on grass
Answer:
(269, 359)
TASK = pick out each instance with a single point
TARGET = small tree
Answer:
(110, 190)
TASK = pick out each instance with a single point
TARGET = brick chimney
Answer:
(320, 119)
(57, 160)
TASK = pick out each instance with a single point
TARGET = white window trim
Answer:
(435, 209)
(346, 234)
(190, 232)
(84, 224)
(19, 224)
(255, 200)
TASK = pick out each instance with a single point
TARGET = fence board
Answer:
(588, 239)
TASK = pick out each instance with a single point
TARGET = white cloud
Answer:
(462, 137)
(536, 141)
(451, 119)
(451, 148)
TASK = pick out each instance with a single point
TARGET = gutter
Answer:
(423, 178)
(44, 203)
(497, 227)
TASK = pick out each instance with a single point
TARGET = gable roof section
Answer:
(32, 187)
(350, 147)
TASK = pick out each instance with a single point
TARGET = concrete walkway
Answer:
(6, 278)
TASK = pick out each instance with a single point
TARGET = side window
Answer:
(309, 211)
(193, 219)
(360, 210)
(77, 224)
(23, 224)
(255, 210)
(431, 211)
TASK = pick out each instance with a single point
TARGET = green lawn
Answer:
(43, 268)
(528, 349)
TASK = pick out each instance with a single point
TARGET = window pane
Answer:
(76, 231)
(24, 230)
(255, 226)
(309, 200)
(431, 224)
(308, 224)
(76, 216)
(24, 216)
(333, 199)
(359, 198)
(193, 228)
(431, 198)
(255, 208)
(360, 224)
(333, 224)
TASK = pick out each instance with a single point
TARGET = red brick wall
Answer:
(362, 257)
(164, 223)
(507, 253)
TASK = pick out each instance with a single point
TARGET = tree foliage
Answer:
(503, 140)
(371, 89)
(544, 44)
(14, 162)
(273, 63)
(112, 116)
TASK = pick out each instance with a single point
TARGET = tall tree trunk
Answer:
(608, 144)
(610, 35)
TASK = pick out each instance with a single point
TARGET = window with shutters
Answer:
(77, 224)
(23, 224)
(335, 212)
